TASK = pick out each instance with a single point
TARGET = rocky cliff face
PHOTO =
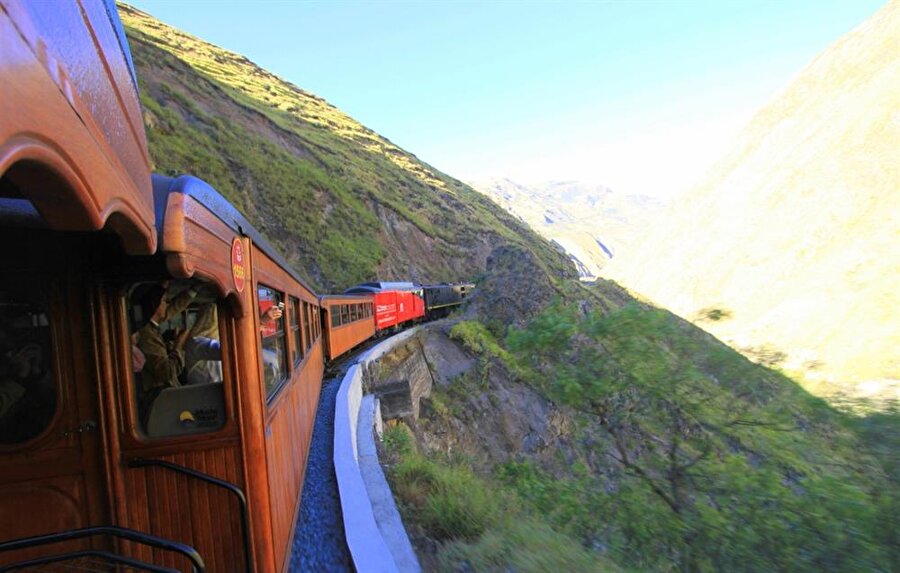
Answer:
(789, 247)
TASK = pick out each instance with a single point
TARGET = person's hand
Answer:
(273, 314)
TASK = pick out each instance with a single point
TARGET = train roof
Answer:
(206, 195)
(344, 297)
(370, 287)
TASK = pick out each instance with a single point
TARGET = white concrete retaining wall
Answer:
(375, 534)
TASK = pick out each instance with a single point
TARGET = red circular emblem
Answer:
(238, 271)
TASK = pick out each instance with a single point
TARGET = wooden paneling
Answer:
(288, 419)
(340, 339)
(288, 434)
(177, 507)
(197, 242)
(56, 481)
(80, 156)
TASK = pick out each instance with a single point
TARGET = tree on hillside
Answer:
(722, 446)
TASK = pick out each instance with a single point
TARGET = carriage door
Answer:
(51, 454)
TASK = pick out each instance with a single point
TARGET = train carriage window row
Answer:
(342, 314)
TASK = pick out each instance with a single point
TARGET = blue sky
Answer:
(639, 95)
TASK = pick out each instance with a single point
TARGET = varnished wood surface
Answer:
(71, 136)
(341, 339)
(196, 242)
(57, 480)
(288, 419)
(177, 507)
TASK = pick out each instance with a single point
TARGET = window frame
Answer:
(294, 324)
(137, 432)
(273, 390)
(308, 325)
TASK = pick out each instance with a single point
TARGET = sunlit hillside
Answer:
(340, 201)
(790, 247)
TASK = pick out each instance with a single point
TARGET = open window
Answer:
(274, 338)
(176, 357)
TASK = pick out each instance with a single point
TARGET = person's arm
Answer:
(162, 366)
(273, 313)
(179, 303)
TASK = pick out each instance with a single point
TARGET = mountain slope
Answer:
(792, 239)
(341, 202)
(591, 222)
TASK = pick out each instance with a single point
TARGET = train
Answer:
(160, 361)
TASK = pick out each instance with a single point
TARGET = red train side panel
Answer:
(396, 307)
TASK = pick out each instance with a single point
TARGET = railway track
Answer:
(319, 542)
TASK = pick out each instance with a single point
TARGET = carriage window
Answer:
(317, 326)
(335, 316)
(296, 342)
(345, 313)
(27, 383)
(271, 330)
(307, 325)
(176, 358)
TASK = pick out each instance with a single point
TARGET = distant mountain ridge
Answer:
(790, 247)
(591, 222)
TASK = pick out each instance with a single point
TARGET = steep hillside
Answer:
(605, 435)
(789, 249)
(591, 222)
(341, 202)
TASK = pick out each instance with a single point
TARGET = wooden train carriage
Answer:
(348, 321)
(92, 433)
(71, 133)
(75, 191)
(271, 368)
(104, 421)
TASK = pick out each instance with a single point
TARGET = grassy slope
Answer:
(338, 199)
(708, 462)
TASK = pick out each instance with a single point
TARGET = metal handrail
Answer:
(133, 563)
(232, 488)
(121, 532)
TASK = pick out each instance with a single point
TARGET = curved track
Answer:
(319, 542)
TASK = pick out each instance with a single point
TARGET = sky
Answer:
(641, 96)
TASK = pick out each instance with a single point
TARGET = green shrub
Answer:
(398, 440)
(449, 502)
(524, 545)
